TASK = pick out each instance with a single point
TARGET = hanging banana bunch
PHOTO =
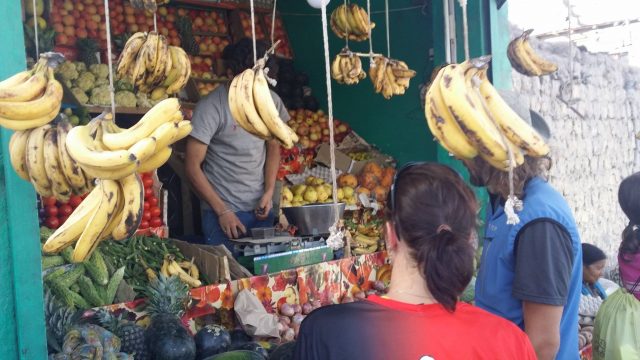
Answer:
(525, 60)
(346, 68)
(31, 98)
(389, 76)
(469, 118)
(351, 22)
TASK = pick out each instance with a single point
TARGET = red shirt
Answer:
(386, 329)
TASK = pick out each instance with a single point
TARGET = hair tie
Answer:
(443, 228)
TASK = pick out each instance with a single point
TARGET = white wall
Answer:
(592, 153)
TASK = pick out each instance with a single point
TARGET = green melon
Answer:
(238, 355)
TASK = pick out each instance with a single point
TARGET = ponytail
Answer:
(446, 263)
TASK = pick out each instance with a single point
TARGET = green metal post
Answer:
(500, 37)
(22, 329)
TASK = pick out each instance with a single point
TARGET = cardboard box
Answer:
(344, 162)
(216, 263)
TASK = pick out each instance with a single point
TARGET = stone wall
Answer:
(593, 140)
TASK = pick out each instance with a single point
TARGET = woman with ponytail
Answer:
(429, 233)
(616, 335)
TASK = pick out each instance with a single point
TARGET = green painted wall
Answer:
(22, 330)
(396, 126)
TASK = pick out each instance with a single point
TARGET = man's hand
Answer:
(231, 225)
(264, 206)
(542, 325)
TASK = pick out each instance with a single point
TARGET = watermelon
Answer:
(252, 346)
(284, 351)
(239, 336)
(211, 340)
(238, 355)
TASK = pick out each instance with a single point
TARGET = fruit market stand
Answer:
(108, 281)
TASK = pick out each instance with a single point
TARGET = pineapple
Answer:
(166, 338)
(59, 319)
(131, 335)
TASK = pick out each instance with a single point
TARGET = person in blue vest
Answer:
(593, 263)
(531, 272)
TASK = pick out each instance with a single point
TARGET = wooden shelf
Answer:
(210, 81)
(93, 109)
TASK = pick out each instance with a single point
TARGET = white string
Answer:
(570, 53)
(386, 16)
(108, 30)
(332, 143)
(465, 28)
(273, 22)
(371, 62)
(253, 33)
(155, 22)
(346, 38)
(35, 29)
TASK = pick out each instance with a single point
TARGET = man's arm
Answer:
(542, 325)
(272, 163)
(195, 155)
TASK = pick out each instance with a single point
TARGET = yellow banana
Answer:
(458, 96)
(184, 129)
(175, 269)
(49, 102)
(545, 66)
(184, 66)
(164, 134)
(442, 124)
(513, 126)
(70, 230)
(99, 220)
(59, 185)
(143, 149)
(131, 215)
(523, 58)
(155, 161)
(69, 167)
(35, 160)
(17, 153)
(245, 94)
(82, 148)
(237, 112)
(27, 90)
(129, 54)
(15, 80)
(111, 173)
(156, 116)
(268, 112)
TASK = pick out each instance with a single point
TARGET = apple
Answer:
(314, 137)
(162, 11)
(303, 130)
(342, 128)
(325, 131)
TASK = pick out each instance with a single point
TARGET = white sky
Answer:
(551, 15)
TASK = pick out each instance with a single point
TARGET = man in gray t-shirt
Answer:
(233, 172)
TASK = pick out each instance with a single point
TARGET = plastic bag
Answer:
(617, 328)
(253, 317)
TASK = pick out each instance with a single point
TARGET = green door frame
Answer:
(22, 329)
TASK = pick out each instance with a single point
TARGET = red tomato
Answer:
(51, 210)
(65, 210)
(155, 222)
(156, 212)
(148, 192)
(52, 222)
(146, 205)
(75, 200)
(49, 201)
(146, 215)
(147, 175)
(63, 219)
(144, 224)
(147, 182)
(153, 201)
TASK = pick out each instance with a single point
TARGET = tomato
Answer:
(75, 200)
(153, 201)
(65, 210)
(144, 224)
(147, 175)
(63, 219)
(146, 205)
(148, 192)
(147, 182)
(49, 201)
(155, 222)
(146, 215)
(52, 222)
(156, 212)
(51, 210)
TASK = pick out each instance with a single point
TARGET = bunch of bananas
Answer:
(187, 271)
(114, 156)
(346, 68)
(148, 62)
(366, 240)
(40, 156)
(149, 5)
(351, 22)
(468, 117)
(360, 155)
(525, 60)
(251, 104)
(390, 77)
(31, 98)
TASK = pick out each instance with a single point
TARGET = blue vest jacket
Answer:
(495, 278)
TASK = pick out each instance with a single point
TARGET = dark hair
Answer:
(629, 200)
(591, 254)
(239, 56)
(435, 215)
(497, 181)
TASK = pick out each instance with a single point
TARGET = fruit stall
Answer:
(112, 250)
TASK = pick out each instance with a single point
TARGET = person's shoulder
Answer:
(337, 313)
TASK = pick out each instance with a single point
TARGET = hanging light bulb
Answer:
(318, 3)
